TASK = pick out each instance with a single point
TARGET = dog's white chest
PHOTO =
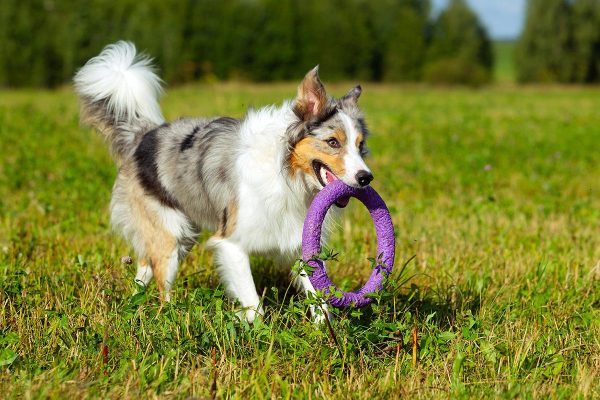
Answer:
(272, 207)
(269, 220)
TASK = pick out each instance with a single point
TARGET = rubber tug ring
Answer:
(311, 243)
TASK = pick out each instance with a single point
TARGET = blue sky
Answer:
(502, 18)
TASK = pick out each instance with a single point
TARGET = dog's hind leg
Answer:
(159, 234)
(233, 266)
(158, 257)
(165, 263)
(166, 242)
(144, 273)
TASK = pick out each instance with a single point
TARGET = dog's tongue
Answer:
(330, 177)
(343, 202)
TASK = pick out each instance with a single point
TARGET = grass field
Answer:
(495, 192)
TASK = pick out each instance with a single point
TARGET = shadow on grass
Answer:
(444, 303)
(274, 283)
(440, 304)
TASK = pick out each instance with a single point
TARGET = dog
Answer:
(248, 180)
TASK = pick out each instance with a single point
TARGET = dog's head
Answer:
(328, 140)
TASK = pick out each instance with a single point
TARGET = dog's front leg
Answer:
(319, 311)
(302, 284)
(233, 266)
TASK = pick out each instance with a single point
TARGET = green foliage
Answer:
(460, 50)
(274, 53)
(586, 41)
(404, 50)
(456, 71)
(494, 191)
(542, 51)
(560, 42)
(43, 42)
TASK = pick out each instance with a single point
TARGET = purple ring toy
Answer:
(311, 242)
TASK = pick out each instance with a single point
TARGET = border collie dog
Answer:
(249, 180)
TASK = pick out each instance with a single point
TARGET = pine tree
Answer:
(543, 51)
(42, 43)
(24, 43)
(405, 47)
(460, 49)
(334, 35)
(274, 39)
(586, 41)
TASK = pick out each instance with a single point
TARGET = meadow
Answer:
(495, 196)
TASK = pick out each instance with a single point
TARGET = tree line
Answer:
(43, 42)
(560, 42)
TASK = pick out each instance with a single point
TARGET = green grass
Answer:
(495, 192)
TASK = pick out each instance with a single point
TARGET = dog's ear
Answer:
(312, 98)
(352, 96)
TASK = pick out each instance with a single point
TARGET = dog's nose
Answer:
(364, 177)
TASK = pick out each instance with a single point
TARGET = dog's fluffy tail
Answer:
(119, 94)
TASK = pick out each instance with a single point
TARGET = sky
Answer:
(502, 18)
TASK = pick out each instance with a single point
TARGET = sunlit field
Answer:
(495, 196)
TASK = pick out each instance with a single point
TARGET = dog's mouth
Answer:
(325, 177)
(323, 173)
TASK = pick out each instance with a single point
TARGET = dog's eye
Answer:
(333, 142)
(361, 149)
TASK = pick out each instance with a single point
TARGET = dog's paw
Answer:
(250, 314)
(319, 313)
